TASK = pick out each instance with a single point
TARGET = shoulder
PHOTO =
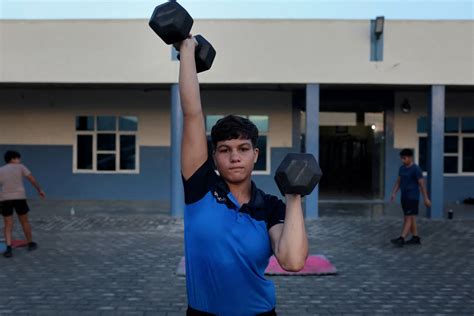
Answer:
(275, 210)
(197, 186)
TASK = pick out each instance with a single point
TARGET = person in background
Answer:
(13, 198)
(410, 182)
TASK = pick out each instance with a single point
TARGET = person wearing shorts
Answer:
(410, 182)
(13, 198)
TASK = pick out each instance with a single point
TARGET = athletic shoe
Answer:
(32, 246)
(400, 241)
(415, 240)
(8, 253)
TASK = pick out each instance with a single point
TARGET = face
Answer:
(235, 159)
(406, 160)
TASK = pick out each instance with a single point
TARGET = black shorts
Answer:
(194, 312)
(19, 206)
(410, 207)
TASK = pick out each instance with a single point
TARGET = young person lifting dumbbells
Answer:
(231, 227)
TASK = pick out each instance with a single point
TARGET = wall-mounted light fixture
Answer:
(405, 106)
(379, 23)
(376, 38)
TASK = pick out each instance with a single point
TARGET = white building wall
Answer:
(248, 51)
(47, 117)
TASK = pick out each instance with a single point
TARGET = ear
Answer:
(256, 152)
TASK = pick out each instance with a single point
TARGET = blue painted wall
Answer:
(52, 166)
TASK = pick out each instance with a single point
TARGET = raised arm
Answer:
(194, 143)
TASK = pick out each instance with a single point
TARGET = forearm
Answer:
(292, 249)
(188, 82)
(35, 184)
(423, 190)
(396, 187)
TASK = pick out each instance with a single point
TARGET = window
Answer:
(262, 122)
(458, 144)
(106, 144)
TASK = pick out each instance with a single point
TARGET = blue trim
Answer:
(52, 166)
(177, 191)
(312, 142)
(376, 45)
(436, 111)
(392, 157)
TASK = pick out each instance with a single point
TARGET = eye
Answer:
(223, 150)
(245, 149)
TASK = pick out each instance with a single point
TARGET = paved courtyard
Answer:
(110, 264)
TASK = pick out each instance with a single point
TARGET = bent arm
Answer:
(194, 142)
(289, 240)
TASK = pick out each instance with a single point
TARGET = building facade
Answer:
(92, 104)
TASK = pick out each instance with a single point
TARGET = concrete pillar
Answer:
(312, 143)
(436, 112)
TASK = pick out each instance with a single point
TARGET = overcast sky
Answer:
(241, 9)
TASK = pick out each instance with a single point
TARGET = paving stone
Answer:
(125, 265)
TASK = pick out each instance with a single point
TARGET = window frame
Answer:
(460, 136)
(268, 170)
(94, 133)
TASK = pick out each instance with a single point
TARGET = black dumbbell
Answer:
(172, 23)
(298, 174)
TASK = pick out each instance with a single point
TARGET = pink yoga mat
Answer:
(315, 265)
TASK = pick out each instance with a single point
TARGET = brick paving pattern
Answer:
(125, 265)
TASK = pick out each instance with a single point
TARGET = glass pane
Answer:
(84, 123)
(106, 162)
(422, 125)
(450, 144)
(211, 120)
(451, 125)
(105, 141)
(423, 151)
(262, 157)
(261, 121)
(128, 123)
(468, 155)
(127, 152)
(468, 124)
(84, 152)
(450, 164)
(106, 123)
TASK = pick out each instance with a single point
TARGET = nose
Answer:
(234, 156)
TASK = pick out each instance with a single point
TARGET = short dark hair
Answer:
(234, 127)
(10, 155)
(406, 152)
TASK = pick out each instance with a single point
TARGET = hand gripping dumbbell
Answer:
(298, 174)
(173, 24)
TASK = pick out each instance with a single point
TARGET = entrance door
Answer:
(351, 155)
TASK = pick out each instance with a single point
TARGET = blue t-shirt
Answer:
(409, 177)
(227, 246)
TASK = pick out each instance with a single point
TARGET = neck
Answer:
(241, 191)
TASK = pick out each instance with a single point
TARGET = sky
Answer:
(242, 9)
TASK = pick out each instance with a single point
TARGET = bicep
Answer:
(275, 235)
(194, 145)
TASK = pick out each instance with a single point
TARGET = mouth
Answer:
(236, 168)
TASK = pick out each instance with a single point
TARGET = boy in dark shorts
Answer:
(13, 198)
(410, 181)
